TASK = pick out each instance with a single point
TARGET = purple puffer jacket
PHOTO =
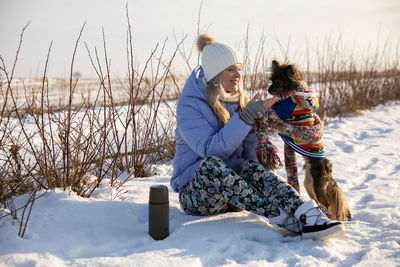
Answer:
(199, 135)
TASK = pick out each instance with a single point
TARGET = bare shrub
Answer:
(137, 133)
(347, 85)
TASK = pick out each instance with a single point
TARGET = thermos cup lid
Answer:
(158, 194)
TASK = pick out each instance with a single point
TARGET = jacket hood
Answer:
(194, 86)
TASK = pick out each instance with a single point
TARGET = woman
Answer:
(215, 165)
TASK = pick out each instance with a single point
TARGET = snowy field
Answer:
(66, 230)
(56, 91)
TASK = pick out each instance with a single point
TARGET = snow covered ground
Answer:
(66, 230)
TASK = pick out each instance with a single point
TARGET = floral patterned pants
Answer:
(215, 186)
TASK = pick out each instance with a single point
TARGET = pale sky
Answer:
(358, 22)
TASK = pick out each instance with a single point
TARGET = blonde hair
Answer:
(213, 99)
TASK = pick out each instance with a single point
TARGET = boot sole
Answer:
(331, 232)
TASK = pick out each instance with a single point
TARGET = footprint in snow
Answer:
(372, 162)
(347, 148)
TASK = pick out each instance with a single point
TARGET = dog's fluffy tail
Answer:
(338, 204)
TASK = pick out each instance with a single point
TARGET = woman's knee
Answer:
(252, 166)
(200, 202)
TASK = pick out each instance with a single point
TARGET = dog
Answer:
(297, 106)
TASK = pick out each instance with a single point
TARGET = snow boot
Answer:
(287, 221)
(315, 224)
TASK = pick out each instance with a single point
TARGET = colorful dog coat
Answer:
(297, 108)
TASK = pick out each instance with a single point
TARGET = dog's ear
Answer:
(275, 65)
(290, 70)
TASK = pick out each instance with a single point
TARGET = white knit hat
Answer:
(215, 56)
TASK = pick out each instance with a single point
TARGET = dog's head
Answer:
(284, 78)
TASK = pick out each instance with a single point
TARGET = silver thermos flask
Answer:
(158, 212)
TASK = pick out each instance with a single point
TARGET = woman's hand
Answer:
(268, 102)
(256, 109)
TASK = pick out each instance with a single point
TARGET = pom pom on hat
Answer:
(204, 40)
(215, 56)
